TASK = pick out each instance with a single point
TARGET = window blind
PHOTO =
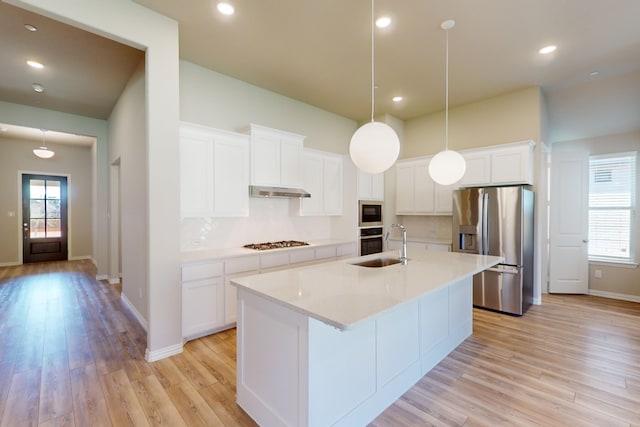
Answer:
(611, 207)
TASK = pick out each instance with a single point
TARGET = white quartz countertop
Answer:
(213, 254)
(342, 294)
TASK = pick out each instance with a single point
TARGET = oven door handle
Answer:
(377, 236)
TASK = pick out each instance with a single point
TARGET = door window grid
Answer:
(44, 204)
(612, 199)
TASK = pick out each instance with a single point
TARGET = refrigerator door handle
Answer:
(485, 224)
(505, 269)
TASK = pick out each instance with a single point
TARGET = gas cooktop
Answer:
(275, 245)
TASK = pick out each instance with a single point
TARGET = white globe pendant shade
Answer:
(374, 147)
(447, 167)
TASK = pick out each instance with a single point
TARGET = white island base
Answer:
(294, 370)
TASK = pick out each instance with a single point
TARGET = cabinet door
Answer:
(443, 199)
(231, 297)
(202, 306)
(332, 185)
(231, 177)
(370, 186)
(377, 186)
(196, 175)
(265, 159)
(478, 170)
(512, 165)
(423, 188)
(290, 160)
(313, 183)
(404, 188)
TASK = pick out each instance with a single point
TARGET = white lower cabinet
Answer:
(393, 244)
(210, 302)
(202, 298)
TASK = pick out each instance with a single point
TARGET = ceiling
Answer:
(318, 52)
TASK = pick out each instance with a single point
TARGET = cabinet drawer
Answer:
(274, 260)
(326, 252)
(302, 255)
(241, 264)
(201, 271)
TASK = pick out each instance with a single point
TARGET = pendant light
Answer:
(375, 146)
(448, 166)
(43, 152)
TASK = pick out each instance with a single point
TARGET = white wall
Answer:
(74, 162)
(39, 118)
(218, 101)
(127, 147)
(137, 26)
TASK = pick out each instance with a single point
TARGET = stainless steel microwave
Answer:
(370, 213)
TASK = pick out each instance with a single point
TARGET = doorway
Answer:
(44, 218)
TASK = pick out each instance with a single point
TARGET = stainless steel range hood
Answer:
(263, 191)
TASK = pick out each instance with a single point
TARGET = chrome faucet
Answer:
(403, 254)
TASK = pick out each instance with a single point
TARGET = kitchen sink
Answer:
(378, 262)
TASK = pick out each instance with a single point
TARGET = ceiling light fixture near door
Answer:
(34, 64)
(226, 8)
(448, 166)
(38, 87)
(43, 152)
(383, 22)
(547, 49)
(375, 146)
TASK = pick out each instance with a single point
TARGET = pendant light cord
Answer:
(446, 94)
(372, 59)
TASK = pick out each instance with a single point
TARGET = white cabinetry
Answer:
(499, 165)
(276, 157)
(214, 172)
(202, 298)
(234, 268)
(370, 186)
(417, 193)
(394, 244)
(322, 178)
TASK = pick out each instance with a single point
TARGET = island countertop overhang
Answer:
(342, 294)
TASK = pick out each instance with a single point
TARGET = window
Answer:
(612, 198)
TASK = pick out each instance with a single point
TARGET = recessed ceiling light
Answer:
(4, 129)
(38, 87)
(383, 22)
(226, 8)
(30, 28)
(396, 99)
(594, 73)
(547, 49)
(35, 64)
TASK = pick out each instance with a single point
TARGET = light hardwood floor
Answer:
(71, 355)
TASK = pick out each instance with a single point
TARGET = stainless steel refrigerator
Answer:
(497, 221)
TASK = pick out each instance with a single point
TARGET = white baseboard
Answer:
(134, 311)
(102, 277)
(614, 295)
(10, 264)
(537, 301)
(114, 280)
(79, 258)
(152, 356)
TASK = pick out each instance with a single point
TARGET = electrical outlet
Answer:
(598, 274)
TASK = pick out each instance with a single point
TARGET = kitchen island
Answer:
(337, 343)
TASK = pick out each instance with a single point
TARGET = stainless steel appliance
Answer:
(275, 245)
(370, 213)
(370, 240)
(498, 221)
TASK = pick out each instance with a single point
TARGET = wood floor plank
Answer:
(89, 404)
(55, 387)
(23, 399)
(571, 361)
(156, 403)
(192, 406)
(122, 402)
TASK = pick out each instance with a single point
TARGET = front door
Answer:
(44, 218)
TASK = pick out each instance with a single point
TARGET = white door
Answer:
(569, 228)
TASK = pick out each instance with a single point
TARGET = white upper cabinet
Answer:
(499, 165)
(417, 193)
(370, 186)
(276, 157)
(214, 172)
(322, 178)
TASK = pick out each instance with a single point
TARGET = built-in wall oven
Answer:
(370, 240)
